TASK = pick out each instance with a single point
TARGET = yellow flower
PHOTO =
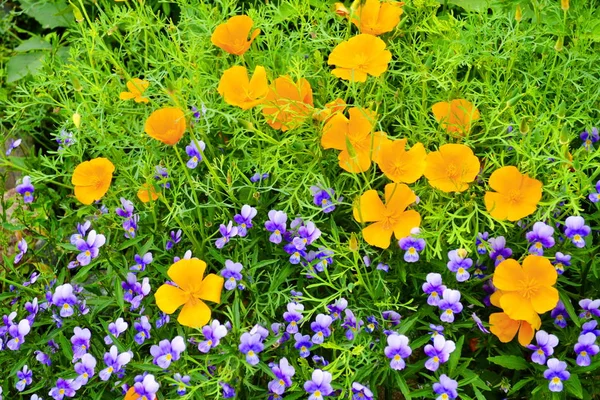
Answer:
(455, 116)
(451, 168)
(516, 195)
(400, 165)
(388, 218)
(192, 288)
(288, 104)
(166, 124)
(528, 290)
(92, 179)
(505, 328)
(232, 36)
(136, 88)
(238, 91)
(358, 57)
(375, 17)
(147, 192)
(354, 138)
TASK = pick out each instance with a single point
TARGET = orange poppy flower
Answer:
(388, 218)
(451, 168)
(400, 165)
(147, 192)
(192, 288)
(516, 195)
(166, 124)
(238, 91)
(232, 36)
(354, 138)
(375, 17)
(505, 328)
(338, 105)
(528, 290)
(288, 104)
(361, 55)
(341, 10)
(455, 116)
(92, 179)
(136, 88)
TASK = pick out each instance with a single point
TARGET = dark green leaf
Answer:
(510, 362)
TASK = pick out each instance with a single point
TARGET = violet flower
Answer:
(64, 299)
(90, 247)
(80, 342)
(127, 210)
(147, 388)
(589, 138)
(63, 388)
(141, 262)
(232, 274)
(85, 368)
(556, 374)
(134, 291)
(283, 376)
(434, 288)
(397, 350)
(561, 261)
(480, 242)
(450, 304)
(412, 247)
(24, 377)
(167, 352)
(22, 247)
(446, 388)
(13, 144)
(560, 315)
(81, 231)
(576, 230)
(244, 219)
(114, 362)
(595, 196)
(251, 345)
(130, 225)
(26, 189)
(319, 385)
(324, 198)
(438, 352)
(175, 237)
(162, 175)
(321, 328)
(227, 232)
(540, 238)
(195, 153)
(277, 225)
(361, 392)
(228, 390)
(115, 329)
(213, 334)
(351, 324)
(259, 177)
(544, 348)
(303, 344)
(590, 327)
(142, 328)
(335, 309)
(459, 264)
(590, 308)
(293, 316)
(585, 348)
(499, 251)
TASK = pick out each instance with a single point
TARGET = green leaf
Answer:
(569, 307)
(455, 356)
(403, 387)
(21, 65)
(517, 386)
(510, 362)
(573, 385)
(469, 5)
(33, 43)
(50, 14)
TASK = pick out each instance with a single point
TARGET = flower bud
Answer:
(77, 119)
(564, 4)
(518, 13)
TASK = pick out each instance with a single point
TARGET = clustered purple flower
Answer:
(131, 220)
(89, 248)
(319, 385)
(232, 274)
(412, 245)
(589, 138)
(544, 348)
(324, 198)
(174, 238)
(438, 352)
(540, 238)
(134, 291)
(251, 344)
(244, 219)
(499, 252)
(115, 329)
(213, 334)
(595, 196)
(459, 264)
(283, 377)
(22, 247)
(556, 374)
(577, 230)
(397, 350)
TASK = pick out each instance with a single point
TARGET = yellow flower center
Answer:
(303, 349)
(540, 352)
(27, 194)
(583, 354)
(560, 317)
(232, 279)
(538, 245)
(317, 393)
(17, 340)
(281, 382)
(65, 306)
(436, 359)
(555, 380)
(320, 333)
(277, 232)
(85, 374)
(412, 250)
(514, 196)
(434, 294)
(87, 253)
(168, 357)
(61, 391)
(396, 357)
(83, 346)
(452, 171)
(577, 237)
(449, 311)
(445, 396)
(323, 202)
(528, 287)
(251, 353)
(195, 158)
(293, 323)
(461, 270)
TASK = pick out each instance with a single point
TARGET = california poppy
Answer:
(400, 165)
(451, 168)
(288, 104)
(361, 55)
(354, 138)
(192, 288)
(331, 108)
(232, 36)
(341, 10)
(527, 290)
(505, 328)
(92, 179)
(455, 116)
(166, 124)
(238, 91)
(388, 218)
(376, 17)
(136, 88)
(516, 195)
(147, 192)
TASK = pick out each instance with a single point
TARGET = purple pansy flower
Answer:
(141, 262)
(228, 390)
(321, 328)
(232, 274)
(293, 316)
(397, 350)
(80, 342)
(576, 230)
(434, 288)
(544, 348)
(81, 231)
(589, 138)
(335, 309)
(446, 388)
(24, 377)
(90, 247)
(319, 385)
(540, 238)
(499, 251)
(174, 238)
(585, 348)
(213, 333)
(450, 304)
(459, 264)
(590, 327)
(436, 330)
(560, 315)
(227, 231)
(114, 362)
(26, 189)
(18, 333)
(251, 345)
(283, 376)
(303, 344)
(22, 247)
(167, 352)
(134, 291)
(351, 324)
(556, 374)
(277, 225)
(195, 153)
(412, 247)
(323, 198)
(259, 177)
(595, 196)
(590, 308)
(438, 352)
(181, 383)
(85, 368)
(130, 225)
(479, 323)
(63, 388)
(361, 392)
(244, 219)
(64, 299)
(480, 242)
(161, 175)
(561, 261)
(127, 208)
(142, 328)
(13, 144)
(115, 329)
(147, 388)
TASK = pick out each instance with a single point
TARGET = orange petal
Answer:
(540, 269)
(503, 327)
(441, 111)
(516, 306)
(147, 192)
(131, 394)
(495, 298)
(507, 273)
(96, 168)
(496, 205)
(545, 299)
(88, 194)
(334, 132)
(166, 125)
(504, 179)
(194, 314)
(126, 96)
(406, 222)
(526, 333)
(169, 298)
(188, 274)
(369, 207)
(360, 162)
(398, 196)
(211, 288)
(350, 74)
(378, 234)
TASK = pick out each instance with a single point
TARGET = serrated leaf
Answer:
(510, 362)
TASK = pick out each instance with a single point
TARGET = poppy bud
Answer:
(353, 242)
(564, 137)
(564, 4)
(513, 101)
(559, 46)
(341, 10)
(524, 126)
(518, 13)
(562, 110)
(77, 85)
(77, 119)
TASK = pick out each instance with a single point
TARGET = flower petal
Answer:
(369, 207)
(526, 333)
(398, 196)
(517, 307)
(407, 221)
(378, 234)
(169, 298)
(507, 273)
(540, 269)
(211, 288)
(545, 299)
(503, 327)
(188, 274)
(194, 314)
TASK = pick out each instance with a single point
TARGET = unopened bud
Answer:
(341, 10)
(564, 4)
(353, 242)
(559, 46)
(518, 13)
(77, 119)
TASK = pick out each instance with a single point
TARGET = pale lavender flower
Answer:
(321, 328)
(244, 219)
(283, 376)
(540, 238)
(577, 230)
(556, 374)
(213, 334)
(142, 328)
(450, 304)
(141, 262)
(195, 153)
(277, 225)
(303, 344)
(319, 385)
(361, 392)
(336, 308)
(412, 247)
(232, 274)
(434, 288)
(585, 348)
(167, 352)
(227, 232)
(115, 329)
(438, 352)
(13, 144)
(397, 350)
(499, 251)
(251, 345)
(114, 362)
(64, 299)
(22, 247)
(80, 342)
(459, 263)
(544, 348)
(26, 189)
(127, 208)
(181, 383)
(24, 377)
(445, 388)
(63, 388)
(85, 368)
(81, 231)
(90, 247)
(293, 316)
(175, 237)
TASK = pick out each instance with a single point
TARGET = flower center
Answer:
(452, 171)
(61, 391)
(210, 342)
(303, 349)
(449, 311)
(540, 352)
(87, 253)
(27, 194)
(251, 353)
(583, 354)
(461, 270)
(411, 250)
(281, 382)
(396, 357)
(577, 238)
(169, 357)
(555, 380)
(436, 359)
(529, 288)
(514, 196)
(317, 393)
